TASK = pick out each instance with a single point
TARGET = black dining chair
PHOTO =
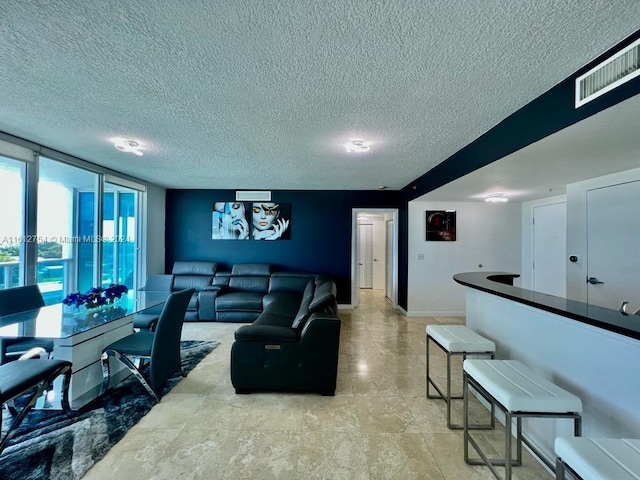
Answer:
(16, 300)
(148, 319)
(33, 377)
(160, 348)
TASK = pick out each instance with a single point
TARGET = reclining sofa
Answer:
(293, 340)
(293, 344)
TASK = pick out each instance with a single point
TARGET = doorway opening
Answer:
(374, 252)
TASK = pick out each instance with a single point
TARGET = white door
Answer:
(613, 245)
(388, 284)
(365, 255)
(550, 249)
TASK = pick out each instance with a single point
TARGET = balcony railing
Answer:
(54, 277)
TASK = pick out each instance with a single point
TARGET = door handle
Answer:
(593, 280)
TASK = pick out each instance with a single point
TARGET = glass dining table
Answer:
(79, 336)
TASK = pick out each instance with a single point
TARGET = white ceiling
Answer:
(263, 95)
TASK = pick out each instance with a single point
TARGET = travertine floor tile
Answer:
(379, 425)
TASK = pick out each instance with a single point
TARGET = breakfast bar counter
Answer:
(588, 350)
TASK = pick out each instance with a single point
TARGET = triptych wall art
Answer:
(251, 221)
(441, 225)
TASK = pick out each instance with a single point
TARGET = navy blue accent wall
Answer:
(320, 232)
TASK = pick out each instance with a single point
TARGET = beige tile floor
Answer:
(378, 426)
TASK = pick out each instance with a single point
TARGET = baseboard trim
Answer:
(431, 313)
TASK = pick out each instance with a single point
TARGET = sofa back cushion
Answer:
(309, 290)
(259, 269)
(249, 283)
(289, 281)
(198, 282)
(324, 298)
(303, 314)
(195, 268)
(221, 279)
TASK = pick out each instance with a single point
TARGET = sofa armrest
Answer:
(265, 333)
(207, 304)
(320, 336)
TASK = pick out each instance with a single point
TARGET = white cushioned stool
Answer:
(598, 458)
(456, 340)
(519, 392)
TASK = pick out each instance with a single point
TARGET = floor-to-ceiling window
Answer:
(65, 227)
(12, 234)
(119, 227)
(67, 234)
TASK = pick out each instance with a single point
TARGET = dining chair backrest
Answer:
(165, 351)
(20, 299)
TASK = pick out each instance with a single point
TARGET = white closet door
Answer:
(365, 255)
(550, 249)
(613, 245)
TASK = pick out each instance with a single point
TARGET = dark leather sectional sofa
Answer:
(293, 340)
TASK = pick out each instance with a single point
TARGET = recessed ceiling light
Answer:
(131, 146)
(496, 198)
(357, 146)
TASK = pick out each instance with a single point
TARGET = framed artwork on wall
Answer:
(229, 221)
(251, 221)
(441, 225)
(270, 221)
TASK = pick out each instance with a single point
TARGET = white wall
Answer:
(487, 234)
(154, 220)
(577, 228)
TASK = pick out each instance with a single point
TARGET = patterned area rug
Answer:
(51, 446)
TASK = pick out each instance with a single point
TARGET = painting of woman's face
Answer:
(264, 214)
(229, 221)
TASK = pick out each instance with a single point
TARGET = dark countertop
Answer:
(501, 284)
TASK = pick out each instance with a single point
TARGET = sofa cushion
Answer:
(282, 303)
(198, 282)
(249, 284)
(309, 289)
(324, 298)
(221, 278)
(303, 314)
(237, 316)
(193, 302)
(289, 281)
(265, 333)
(235, 301)
(276, 319)
(254, 269)
(194, 268)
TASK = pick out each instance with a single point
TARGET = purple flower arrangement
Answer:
(96, 296)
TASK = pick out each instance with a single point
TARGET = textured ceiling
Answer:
(263, 95)
(602, 144)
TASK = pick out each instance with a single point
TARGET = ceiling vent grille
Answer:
(253, 196)
(611, 73)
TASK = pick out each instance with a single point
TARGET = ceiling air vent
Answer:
(611, 73)
(253, 196)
